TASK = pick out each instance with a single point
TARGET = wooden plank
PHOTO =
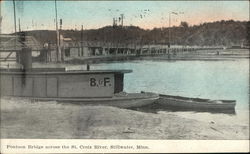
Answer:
(52, 87)
(23, 86)
(39, 87)
(6, 85)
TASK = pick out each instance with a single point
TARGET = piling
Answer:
(26, 59)
(88, 67)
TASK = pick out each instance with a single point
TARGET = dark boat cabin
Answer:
(58, 83)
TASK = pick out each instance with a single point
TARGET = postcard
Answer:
(124, 76)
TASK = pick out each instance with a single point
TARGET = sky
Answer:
(36, 15)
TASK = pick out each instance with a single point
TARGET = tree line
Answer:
(226, 33)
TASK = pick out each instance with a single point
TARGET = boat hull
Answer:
(126, 101)
(195, 104)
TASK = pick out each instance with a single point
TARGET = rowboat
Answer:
(178, 103)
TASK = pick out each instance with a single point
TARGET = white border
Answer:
(156, 146)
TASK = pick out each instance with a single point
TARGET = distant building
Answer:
(65, 42)
(13, 42)
(10, 43)
(245, 44)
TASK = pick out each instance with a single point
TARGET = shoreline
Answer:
(181, 57)
(226, 56)
(24, 118)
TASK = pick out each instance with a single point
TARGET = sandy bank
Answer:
(26, 119)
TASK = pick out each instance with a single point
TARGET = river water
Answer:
(204, 79)
(228, 79)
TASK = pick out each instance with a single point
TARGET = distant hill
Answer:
(227, 33)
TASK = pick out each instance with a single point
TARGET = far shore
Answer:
(200, 55)
(221, 55)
